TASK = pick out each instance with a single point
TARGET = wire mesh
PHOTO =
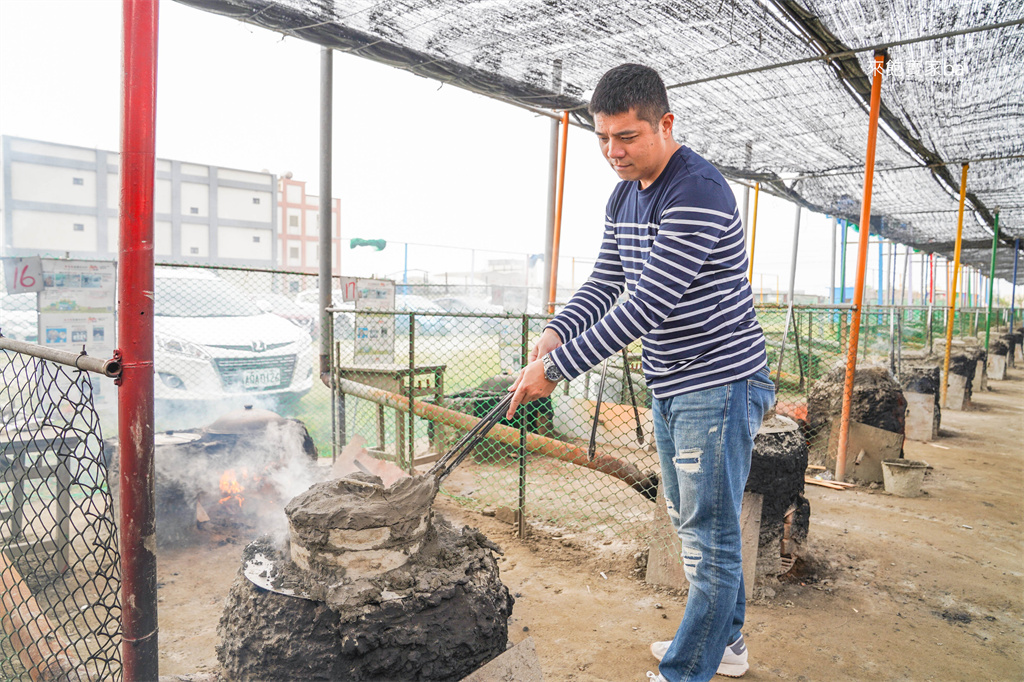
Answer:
(455, 366)
(59, 566)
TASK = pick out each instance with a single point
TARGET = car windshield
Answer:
(201, 298)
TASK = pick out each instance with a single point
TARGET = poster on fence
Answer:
(374, 334)
(76, 306)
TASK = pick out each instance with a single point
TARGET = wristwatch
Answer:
(551, 371)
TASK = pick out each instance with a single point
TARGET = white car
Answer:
(214, 344)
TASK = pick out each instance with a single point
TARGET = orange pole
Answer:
(753, 236)
(556, 238)
(862, 262)
(952, 298)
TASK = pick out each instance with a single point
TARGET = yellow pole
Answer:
(862, 263)
(952, 296)
(753, 234)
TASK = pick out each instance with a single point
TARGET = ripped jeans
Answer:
(704, 442)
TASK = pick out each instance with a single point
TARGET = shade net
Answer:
(799, 129)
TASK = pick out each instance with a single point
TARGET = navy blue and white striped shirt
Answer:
(677, 247)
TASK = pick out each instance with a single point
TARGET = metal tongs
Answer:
(592, 448)
(458, 452)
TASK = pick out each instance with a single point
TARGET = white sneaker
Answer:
(734, 660)
(655, 676)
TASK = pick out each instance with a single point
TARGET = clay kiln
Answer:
(240, 469)
(372, 585)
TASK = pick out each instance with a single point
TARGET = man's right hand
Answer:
(549, 340)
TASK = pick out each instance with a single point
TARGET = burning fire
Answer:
(231, 486)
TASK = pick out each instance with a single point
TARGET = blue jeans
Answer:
(704, 442)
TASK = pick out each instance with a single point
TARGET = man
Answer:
(674, 240)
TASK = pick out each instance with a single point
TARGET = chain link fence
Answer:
(59, 565)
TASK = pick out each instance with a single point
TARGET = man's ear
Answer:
(666, 123)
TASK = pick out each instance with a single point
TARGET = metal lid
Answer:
(240, 422)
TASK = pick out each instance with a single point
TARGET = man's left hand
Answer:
(529, 386)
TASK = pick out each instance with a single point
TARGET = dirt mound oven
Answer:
(371, 586)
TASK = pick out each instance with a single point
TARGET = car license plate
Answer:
(261, 378)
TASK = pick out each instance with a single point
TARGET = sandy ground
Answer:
(928, 588)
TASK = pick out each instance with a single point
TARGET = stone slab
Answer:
(979, 371)
(920, 416)
(997, 368)
(518, 664)
(955, 392)
(750, 531)
(877, 444)
(664, 562)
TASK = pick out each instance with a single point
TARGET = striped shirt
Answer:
(677, 247)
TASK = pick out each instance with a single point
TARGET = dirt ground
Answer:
(926, 588)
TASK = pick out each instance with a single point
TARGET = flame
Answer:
(231, 486)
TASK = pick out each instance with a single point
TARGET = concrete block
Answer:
(518, 664)
(920, 416)
(750, 532)
(981, 376)
(955, 392)
(997, 367)
(875, 444)
(664, 557)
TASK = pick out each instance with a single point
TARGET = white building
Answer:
(60, 199)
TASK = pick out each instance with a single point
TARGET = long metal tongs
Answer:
(458, 452)
(592, 447)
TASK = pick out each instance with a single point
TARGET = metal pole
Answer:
(137, 528)
(326, 186)
(1013, 287)
(842, 263)
(991, 282)
(881, 271)
(753, 235)
(862, 261)
(952, 294)
(832, 271)
(524, 341)
(553, 282)
(549, 232)
(792, 291)
(746, 197)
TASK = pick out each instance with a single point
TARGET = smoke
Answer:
(267, 468)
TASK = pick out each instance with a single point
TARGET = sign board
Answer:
(374, 334)
(23, 275)
(76, 306)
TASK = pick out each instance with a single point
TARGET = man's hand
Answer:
(530, 385)
(549, 340)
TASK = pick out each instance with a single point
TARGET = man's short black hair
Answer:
(631, 86)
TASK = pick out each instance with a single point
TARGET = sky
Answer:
(414, 160)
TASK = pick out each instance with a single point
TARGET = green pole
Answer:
(991, 282)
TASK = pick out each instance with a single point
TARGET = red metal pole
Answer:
(139, 651)
(862, 261)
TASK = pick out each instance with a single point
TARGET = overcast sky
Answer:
(414, 161)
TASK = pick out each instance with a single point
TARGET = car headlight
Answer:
(171, 344)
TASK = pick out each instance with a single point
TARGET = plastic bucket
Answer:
(903, 477)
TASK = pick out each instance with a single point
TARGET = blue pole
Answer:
(842, 265)
(405, 271)
(1013, 287)
(881, 271)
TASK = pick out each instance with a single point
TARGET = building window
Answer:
(194, 250)
(194, 210)
(79, 227)
(293, 252)
(255, 200)
(77, 181)
(255, 240)
(293, 221)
